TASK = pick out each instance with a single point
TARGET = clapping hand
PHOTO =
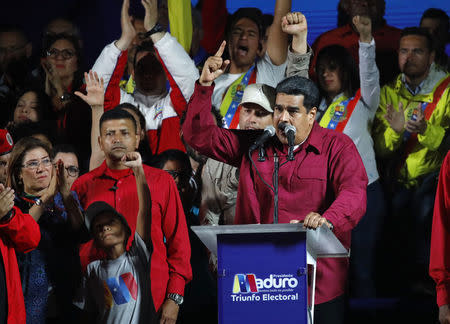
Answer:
(214, 67)
(6, 200)
(395, 118)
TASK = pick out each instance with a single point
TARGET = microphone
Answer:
(269, 131)
(290, 132)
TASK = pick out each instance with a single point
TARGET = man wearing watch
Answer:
(159, 58)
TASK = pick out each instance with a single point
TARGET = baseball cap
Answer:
(100, 207)
(6, 142)
(260, 94)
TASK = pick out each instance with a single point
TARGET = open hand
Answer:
(214, 67)
(419, 125)
(395, 118)
(61, 181)
(52, 189)
(132, 160)
(128, 31)
(6, 200)
(363, 25)
(95, 90)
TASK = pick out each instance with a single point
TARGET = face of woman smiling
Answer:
(35, 179)
(26, 108)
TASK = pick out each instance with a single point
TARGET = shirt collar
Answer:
(411, 90)
(104, 171)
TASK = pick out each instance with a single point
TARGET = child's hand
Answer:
(132, 160)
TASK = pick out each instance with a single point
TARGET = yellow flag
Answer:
(180, 20)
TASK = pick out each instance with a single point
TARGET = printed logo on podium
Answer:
(244, 283)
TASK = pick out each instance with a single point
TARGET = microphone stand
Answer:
(275, 187)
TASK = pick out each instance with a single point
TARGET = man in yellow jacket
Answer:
(410, 131)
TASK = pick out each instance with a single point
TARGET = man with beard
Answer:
(386, 37)
(115, 184)
(162, 109)
(15, 51)
(410, 132)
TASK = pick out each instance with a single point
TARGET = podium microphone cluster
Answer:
(290, 132)
(269, 132)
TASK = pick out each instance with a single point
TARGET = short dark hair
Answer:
(435, 13)
(64, 148)
(339, 56)
(172, 155)
(127, 105)
(254, 14)
(296, 86)
(115, 114)
(419, 31)
(146, 46)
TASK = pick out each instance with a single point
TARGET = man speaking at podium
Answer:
(321, 178)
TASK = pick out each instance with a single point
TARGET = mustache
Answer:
(119, 145)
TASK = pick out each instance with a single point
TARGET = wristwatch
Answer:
(178, 299)
(65, 97)
(156, 29)
(38, 202)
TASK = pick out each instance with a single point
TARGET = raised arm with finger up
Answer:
(214, 67)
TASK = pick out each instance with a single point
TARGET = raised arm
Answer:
(299, 54)
(133, 160)
(368, 71)
(277, 43)
(200, 130)
(95, 99)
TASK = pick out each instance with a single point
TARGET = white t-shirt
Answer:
(119, 291)
(266, 72)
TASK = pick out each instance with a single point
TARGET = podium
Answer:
(263, 270)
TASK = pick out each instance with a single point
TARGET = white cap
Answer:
(260, 94)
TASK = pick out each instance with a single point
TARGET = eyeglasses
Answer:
(34, 164)
(72, 170)
(176, 174)
(65, 53)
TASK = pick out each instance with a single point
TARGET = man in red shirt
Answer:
(326, 174)
(386, 37)
(440, 242)
(115, 184)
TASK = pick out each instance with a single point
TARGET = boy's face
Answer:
(108, 231)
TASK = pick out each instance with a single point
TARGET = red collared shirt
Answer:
(327, 177)
(170, 261)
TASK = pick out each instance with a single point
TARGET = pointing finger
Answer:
(221, 49)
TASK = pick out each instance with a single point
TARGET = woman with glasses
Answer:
(51, 273)
(62, 76)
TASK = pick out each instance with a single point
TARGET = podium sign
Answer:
(262, 274)
(262, 270)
